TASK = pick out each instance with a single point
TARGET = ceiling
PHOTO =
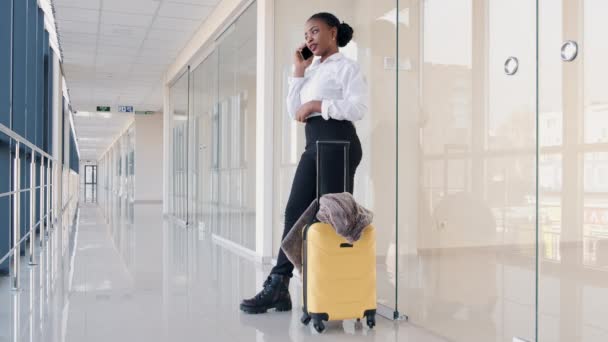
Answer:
(96, 131)
(115, 53)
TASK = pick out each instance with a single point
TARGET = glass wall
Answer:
(88, 182)
(449, 156)
(467, 163)
(573, 191)
(178, 162)
(115, 174)
(203, 124)
(129, 154)
(235, 170)
(214, 141)
(484, 154)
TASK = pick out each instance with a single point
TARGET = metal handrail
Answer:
(5, 194)
(46, 165)
(12, 250)
(67, 203)
(24, 141)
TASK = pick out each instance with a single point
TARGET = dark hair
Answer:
(345, 32)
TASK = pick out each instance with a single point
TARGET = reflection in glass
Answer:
(573, 193)
(467, 221)
(178, 185)
(213, 143)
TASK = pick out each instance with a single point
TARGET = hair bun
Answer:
(345, 34)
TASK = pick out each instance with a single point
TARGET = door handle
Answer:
(569, 51)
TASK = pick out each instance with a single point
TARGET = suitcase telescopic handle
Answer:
(346, 145)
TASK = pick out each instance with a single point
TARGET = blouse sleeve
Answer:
(293, 95)
(354, 102)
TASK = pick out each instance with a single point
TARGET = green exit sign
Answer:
(103, 108)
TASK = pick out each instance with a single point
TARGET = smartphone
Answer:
(306, 53)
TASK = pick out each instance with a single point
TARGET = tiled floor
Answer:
(136, 277)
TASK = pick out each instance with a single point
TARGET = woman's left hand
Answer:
(306, 109)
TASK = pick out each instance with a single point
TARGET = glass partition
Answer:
(236, 130)
(467, 163)
(573, 186)
(218, 192)
(178, 183)
(202, 126)
(484, 154)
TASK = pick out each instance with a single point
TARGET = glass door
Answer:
(467, 168)
(220, 135)
(573, 186)
(204, 100)
(179, 156)
(90, 183)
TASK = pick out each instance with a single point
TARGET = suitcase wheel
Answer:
(371, 321)
(318, 325)
(305, 319)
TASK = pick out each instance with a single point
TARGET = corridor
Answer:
(133, 276)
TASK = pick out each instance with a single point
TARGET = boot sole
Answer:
(264, 309)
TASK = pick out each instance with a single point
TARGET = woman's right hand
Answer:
(300, 63)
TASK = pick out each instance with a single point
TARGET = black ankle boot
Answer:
(275, 294)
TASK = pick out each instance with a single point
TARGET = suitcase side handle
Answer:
(346, 145)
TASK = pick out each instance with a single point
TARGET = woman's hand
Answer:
(300, 63)
(307, 109)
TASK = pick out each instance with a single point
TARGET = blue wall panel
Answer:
(25, 196)
(50, 103)
(63, 137)
(73, 153)
(40, 85)
(19, 66)
(5, 61)
(6, 15)
(48, 94)
(41, 44)
(37, 191)
(30, 96)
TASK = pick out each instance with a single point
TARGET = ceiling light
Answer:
(90, 139)
(82, 114)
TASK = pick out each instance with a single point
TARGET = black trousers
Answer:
(303, 189)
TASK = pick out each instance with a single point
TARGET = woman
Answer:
(326, 94)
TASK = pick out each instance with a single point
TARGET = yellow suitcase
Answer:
(339, 278)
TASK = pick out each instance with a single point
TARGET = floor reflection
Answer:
(89, 193)
(488, 294)
(41, 301)
(136, 276)
(133, 276)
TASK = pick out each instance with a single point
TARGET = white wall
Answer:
(148, 157)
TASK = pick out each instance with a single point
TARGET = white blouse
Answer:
(337, 82)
